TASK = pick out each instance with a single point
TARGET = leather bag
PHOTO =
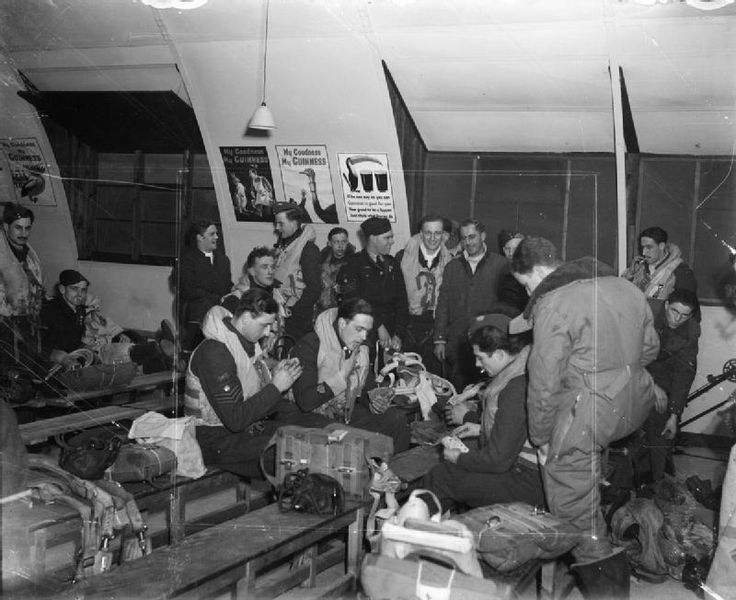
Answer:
(89, 453)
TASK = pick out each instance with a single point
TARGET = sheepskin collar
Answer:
(574, 270)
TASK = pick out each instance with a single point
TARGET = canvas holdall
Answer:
(142, 462)
(508, 535)
(337, 450)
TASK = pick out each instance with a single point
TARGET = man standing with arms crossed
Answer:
(588, 386)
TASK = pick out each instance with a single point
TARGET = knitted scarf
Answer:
(422, 284)
(288, 270)
(329, 360)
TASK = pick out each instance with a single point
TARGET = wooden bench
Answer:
(40, 431)
(141, 383)
(50, 526)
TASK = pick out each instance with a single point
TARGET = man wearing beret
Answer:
(69, 323)
(374, 275)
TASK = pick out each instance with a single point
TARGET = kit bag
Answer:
(142, 462)
(97, 377)
(508, 535)
(89, 453)
(337, 450)
(385, 577)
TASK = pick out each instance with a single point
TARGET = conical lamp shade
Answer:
(262, 118)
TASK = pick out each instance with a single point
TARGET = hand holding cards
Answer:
(452, 443)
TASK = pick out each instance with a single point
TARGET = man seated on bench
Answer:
(337, 376)
(502, 465)
(69, 323)
(229, 390)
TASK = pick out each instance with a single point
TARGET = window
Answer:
(133, 166)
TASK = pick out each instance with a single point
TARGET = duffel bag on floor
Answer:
(337, 450)
(508, 535)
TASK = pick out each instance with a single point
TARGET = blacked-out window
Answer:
(133, 166)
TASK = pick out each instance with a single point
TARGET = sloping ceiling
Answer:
(476, 75)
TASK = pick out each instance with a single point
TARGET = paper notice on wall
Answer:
(366, 185)
(305, 173)
(250, 182)
(24, 166)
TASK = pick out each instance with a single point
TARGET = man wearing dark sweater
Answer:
(673, 370)
(469, 288)
(374, 275)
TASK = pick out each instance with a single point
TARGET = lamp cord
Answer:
(265, 51)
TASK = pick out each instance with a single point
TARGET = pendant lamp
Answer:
(262, 118)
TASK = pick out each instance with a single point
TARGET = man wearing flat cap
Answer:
(70, 322)
(298, 267)
(374, 275)
(593, 337)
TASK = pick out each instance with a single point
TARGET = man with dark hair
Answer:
(334, 257)
(469, 288)
(203, 278)
(337, 376)
(297, 267)
(70, 322)
(229, 391)
(20, 269)
(258, 273)
(673, 370)
(423, 262)
(374, 275)
(501, 465)
(660, 268)
(588, 386)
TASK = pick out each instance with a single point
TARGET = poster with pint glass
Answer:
(366, 185)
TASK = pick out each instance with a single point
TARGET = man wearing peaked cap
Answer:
(593, 336)
(374, 275)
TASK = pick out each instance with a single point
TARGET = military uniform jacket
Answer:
(380, 284)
